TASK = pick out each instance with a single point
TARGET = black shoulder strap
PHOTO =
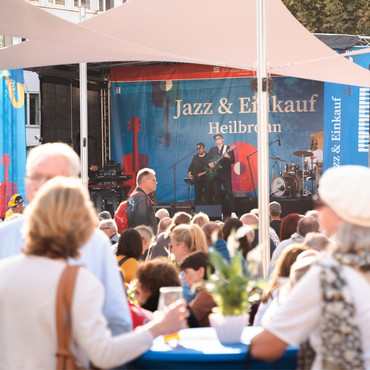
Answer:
(123, 260)
(140, 192)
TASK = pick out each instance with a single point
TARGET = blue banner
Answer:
(157, 123)
(346, 122)
(13, 136)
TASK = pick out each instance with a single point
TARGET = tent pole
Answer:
(83, 114)
(262, 137)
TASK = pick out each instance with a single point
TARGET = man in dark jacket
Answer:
(140, 210)
(222, 171)
(197, 174)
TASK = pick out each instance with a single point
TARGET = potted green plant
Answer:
(233, 289)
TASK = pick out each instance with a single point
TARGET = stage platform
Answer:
(243, 205)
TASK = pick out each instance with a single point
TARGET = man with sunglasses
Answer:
(197, 174)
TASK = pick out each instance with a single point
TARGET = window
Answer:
(32, 109)
(85, 3)
(61, 3)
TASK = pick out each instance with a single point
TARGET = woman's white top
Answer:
(299, 317)
(28, 338)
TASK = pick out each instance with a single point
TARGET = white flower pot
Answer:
(229, 328)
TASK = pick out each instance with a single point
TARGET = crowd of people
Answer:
(318, 274)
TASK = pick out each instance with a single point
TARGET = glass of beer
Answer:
(168, 295)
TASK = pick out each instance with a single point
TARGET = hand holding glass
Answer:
(168, 295)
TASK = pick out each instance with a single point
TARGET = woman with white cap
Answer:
(330, 306)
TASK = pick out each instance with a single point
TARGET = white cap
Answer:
(346, 190)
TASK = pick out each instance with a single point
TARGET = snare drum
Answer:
(285, 185)
(291, 168)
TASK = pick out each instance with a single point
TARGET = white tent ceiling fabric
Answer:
(215, 32)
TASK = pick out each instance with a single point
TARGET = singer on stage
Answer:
(222, 171)
(197, 174)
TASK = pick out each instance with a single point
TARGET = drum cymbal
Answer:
(277, 159)
(303, 153)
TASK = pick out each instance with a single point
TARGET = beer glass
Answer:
(168, 295)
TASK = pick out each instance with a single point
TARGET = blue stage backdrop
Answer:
(13, 136)
(160, 113)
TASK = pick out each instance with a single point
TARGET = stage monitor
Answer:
(213, 211)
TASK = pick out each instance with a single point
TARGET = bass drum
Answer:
(286, 186)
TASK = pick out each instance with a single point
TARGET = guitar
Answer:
(213, 172)
(196, 178)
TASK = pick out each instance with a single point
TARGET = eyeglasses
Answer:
(36, 177)
(199, 148)
(104, 228)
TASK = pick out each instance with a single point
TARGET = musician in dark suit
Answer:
(197, 174)
(223, 176)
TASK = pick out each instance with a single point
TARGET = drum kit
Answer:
(293, 182)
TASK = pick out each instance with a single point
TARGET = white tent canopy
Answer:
(215, 32)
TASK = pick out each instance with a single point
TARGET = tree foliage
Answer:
(351, 17)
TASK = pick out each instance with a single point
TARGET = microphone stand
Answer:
(250, 173)
(174, 174)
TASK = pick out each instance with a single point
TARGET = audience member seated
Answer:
(313, 213)
(60, 220)
(152, 275)
(212, 230)
(109, 227)
(163, 225)
(305, 225)
(318, 241)
(289, 225)
(147, 237)
(162, 245)
(186, 239)
(252, 221)
(104, 215)
(280, 277)
(213, 234)
(195, 267)
(162, 213)
(200, 219)
(235, 224)
(129, 251)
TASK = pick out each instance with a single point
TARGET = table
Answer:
(199, 348)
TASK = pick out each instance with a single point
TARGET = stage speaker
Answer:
(213, 211)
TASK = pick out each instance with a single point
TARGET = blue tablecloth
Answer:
(199, 348)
